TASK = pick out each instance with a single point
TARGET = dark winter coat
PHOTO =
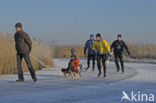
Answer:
(118, 46)
(23, 43)
(88, 46)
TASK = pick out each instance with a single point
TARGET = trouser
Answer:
(120, 57)
(91, 56)
(19, 67)
(103, 57)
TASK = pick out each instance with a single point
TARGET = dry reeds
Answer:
(40, 50)
(42, 53)
(63, 51)
(137, 51)
(142, 50)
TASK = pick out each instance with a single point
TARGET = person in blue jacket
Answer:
(91, 52)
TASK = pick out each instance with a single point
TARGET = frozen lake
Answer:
(52, 87)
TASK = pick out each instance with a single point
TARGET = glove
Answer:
(109, 53)
(95, 51)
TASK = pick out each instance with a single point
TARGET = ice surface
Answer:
(52, 87)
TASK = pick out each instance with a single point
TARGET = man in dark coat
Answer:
(118, 46)
(23, 45)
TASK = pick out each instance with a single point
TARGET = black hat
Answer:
(18, 25)
(98, 35)
(119, 35)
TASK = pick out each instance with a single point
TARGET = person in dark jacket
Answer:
(23, 45)
(91, 52)
(118, 46)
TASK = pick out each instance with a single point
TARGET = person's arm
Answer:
(28, 41)
(126, 47)
(15, 39)
(107, 46)
(94, 46)
(85, 47)
(112, 46)
(77, 62)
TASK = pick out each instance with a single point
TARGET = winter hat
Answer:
(119, 35)
(98, 35)
(73, 51)
(91, 35)
(18, 25)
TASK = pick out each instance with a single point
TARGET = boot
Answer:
(118, 70)
(87, 68)
(34, 79)
(104, 75)
(123, 70)
(20, 80)
(99, 74)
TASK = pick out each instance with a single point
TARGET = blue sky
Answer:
(71, 21)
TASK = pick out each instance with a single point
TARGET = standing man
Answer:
(23, 46)
(118, 46)
(91, 52)
(102, 48)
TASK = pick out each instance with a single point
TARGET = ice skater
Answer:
(91, 52)
(118, 46)
(102, 49)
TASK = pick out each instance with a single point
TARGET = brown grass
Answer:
(46, 51)
(63, 51)
(142, 50)
(138, 51)
(41, 51)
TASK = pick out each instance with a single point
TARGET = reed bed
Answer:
(40, 52)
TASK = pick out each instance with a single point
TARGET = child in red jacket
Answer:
(72, 66)
(75, 62)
